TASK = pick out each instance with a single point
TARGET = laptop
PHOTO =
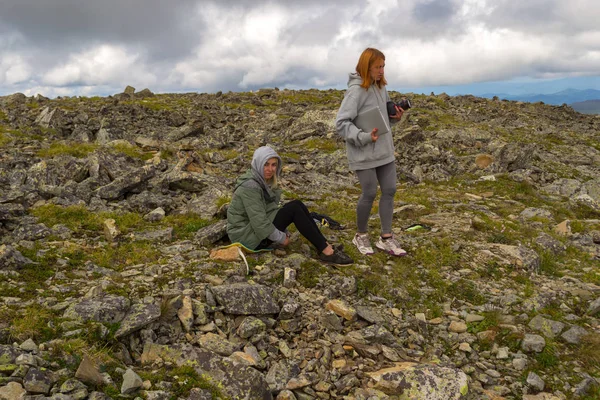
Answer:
(372, 118)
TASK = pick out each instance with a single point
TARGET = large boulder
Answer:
(421, 381)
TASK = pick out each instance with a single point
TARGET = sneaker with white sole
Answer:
(391, 246)
(362, 242)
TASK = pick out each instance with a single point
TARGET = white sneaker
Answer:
(391, 246)
(362, 242)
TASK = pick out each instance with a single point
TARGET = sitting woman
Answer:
(255, 219)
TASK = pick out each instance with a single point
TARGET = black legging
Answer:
(296, 212)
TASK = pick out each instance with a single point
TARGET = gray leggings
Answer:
(368, 178)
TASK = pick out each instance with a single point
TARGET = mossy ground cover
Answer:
(80, 220)
(161, 102)
(131, 151)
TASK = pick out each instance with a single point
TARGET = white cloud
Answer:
(99, 66)
(14, 69)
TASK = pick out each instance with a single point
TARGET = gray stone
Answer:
(12, 391)
(533, 343)
(574, 335)
(532, 212)
(372, 334)
(250, 326)
(534, 381)
(289, 309)
(245, 299)
(548, 243)
(421, 381)
(212, 233)
(200, 394)
(594, 307)
(519, 363)
(186, 313)
(109, 309)
(72, 385)
(89, 372)
(98, 396)
(502, 353)
(200, 312)
(183, 132)
(131, 382)
(29, 345)
(218, 344)
(11, 211)
(279, 374)
(547, 327)
(26, 359)
(12, 258)
(563, 187)
(286, 395)
(155, 215)
(38, 381)
(160, 235)
(8, 354)
(370, 314)
(331, 321)
(583, 388)
(159, 395)
(235, 380)
(126, 183)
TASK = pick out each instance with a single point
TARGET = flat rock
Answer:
(235, 380)
(245, 299)
(547, 327)
(138, 316)
(421, 381)
(109, 309)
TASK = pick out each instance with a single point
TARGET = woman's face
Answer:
(376, 70)
(270, 168)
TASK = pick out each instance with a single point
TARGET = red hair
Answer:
(368, 57)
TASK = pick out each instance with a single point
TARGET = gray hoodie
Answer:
(362, 152)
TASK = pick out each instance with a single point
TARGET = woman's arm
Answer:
(255, 206)
(346, 128)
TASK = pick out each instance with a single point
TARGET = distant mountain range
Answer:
(587, 107)
(573, 97)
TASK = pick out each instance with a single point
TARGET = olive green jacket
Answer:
(252, 211)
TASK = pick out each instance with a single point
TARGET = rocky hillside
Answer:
(111, 209)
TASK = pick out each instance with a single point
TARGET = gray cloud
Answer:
(62, 47)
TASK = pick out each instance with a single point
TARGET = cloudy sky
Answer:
(97, 47)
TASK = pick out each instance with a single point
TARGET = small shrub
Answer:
(131, 151)
(4, 140)
(549, 264)
(548, 358)
(32, 323)
(185, 225)
(74, 217)
(589, 352)
(322, 144)
(466, 290)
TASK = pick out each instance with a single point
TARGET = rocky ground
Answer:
(111, 209)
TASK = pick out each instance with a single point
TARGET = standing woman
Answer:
(369, 155)
(255, 219)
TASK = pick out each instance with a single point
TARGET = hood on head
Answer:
(260, 158)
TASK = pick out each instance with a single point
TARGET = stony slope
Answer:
(109, 208)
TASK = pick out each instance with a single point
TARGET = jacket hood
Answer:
(260, 158)
(354, 79)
